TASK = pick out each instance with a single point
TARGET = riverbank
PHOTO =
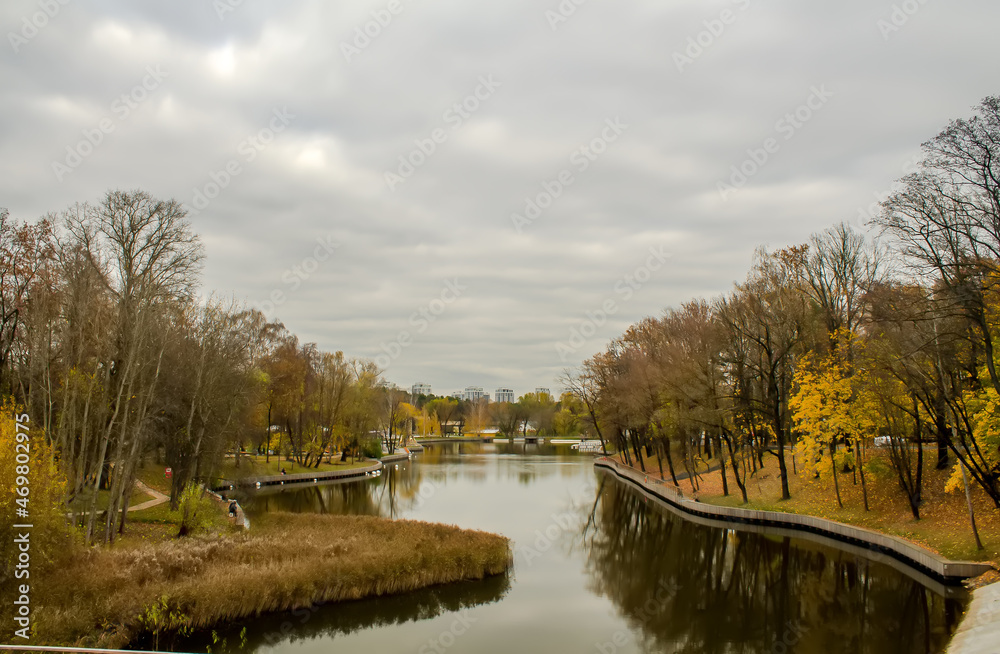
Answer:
(943, 527)
(438, 440)
(260, 473)
(109, 597)
(878, 545)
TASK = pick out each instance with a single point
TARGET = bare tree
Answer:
(767, 316)
(148, 259)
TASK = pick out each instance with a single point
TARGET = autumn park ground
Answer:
(154, 585)
(944, 525)
(255, 465)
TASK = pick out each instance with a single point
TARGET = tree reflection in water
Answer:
(387, 495)
(325, 622)
(684, 587)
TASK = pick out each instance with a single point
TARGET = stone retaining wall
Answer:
(927, 562)
(300, 477)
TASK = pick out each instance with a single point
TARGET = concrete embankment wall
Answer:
(300, 477)
(463, 439)
(923, 560)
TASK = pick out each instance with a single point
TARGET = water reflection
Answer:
(686, 587)
(404, 485)
(331, 621)
(385, 495)
(619, 574)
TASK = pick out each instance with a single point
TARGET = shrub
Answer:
(26, 456)
(196, 510)
(372, 448)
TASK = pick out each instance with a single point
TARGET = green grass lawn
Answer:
(159, 523)
(153, 476)
(82, 502)
(257, 466)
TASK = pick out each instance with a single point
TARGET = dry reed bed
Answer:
(288, 561)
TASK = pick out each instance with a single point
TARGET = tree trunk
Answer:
(861, 470)
(833, 468)
(722, 471)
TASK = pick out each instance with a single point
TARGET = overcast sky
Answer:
(381, 153)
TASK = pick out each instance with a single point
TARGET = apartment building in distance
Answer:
(505, 395)
(474, 394)
(420, 388)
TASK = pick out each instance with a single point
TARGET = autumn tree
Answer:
(445, 411)
(765, 316)
(832, 406)
(148, 259)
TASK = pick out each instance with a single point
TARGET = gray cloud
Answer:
(324, 175)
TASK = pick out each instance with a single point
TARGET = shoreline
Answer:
(247, 575)
(979, 629)
(871, 543)
(298, 478)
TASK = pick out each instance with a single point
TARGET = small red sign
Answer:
(168, 473)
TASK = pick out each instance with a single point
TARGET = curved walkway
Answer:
(159, 498)
(878, 544)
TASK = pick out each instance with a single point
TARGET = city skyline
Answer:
(499, 395)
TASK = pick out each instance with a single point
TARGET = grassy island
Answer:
(107, 597)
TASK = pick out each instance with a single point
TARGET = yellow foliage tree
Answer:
(28, 464)
(980, 449)
(984, 408)
(832, 405)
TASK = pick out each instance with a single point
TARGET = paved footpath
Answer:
(160, 497)
(979, 632)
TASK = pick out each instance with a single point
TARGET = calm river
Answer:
(600, 570)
